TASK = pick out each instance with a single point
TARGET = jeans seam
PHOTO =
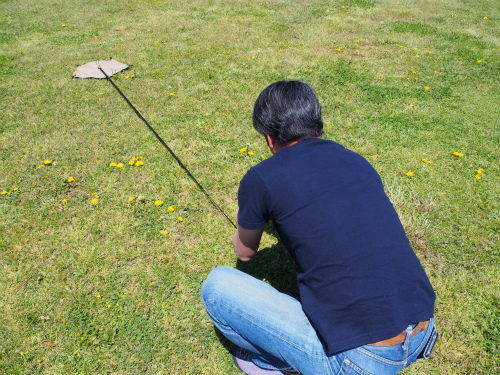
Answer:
(352, 365)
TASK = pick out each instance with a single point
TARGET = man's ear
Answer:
(271, 142)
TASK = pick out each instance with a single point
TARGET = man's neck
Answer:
(275, 147)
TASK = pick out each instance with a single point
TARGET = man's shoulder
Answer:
(311, 153)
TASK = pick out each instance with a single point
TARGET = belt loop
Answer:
(409, 331)
(406, 343)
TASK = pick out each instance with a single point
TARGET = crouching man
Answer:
(366, 305)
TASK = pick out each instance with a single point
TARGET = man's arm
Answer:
(246, 241)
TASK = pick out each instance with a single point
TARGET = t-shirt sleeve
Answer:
(253, 201)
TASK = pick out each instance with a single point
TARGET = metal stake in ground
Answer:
(168, 148)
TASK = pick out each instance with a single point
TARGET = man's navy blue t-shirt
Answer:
(359, 280)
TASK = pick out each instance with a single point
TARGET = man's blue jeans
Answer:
(274, 329)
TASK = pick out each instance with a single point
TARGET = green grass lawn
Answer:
(95, 287)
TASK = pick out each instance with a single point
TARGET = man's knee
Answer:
(216, 282)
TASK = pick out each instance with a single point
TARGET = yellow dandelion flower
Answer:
(401, 47)
(119, 165)
(458, 154)
(131, 199)
(478, 176)
(94, 201)
(171, 94)
(138, 158)
(416, 78)
(416, 56)
(424, 160)
(63, 25)
(328, 10)
(15, 189)
(244, 149)
(479, 61)
(65, 201)
(414, 72)
(427, 88)
(485, 18)
(47, 162)
(407, 78)
(5, 192)
(98, 296)
(112, 152)
(94, 194)
(157, 42)
(164, 232)
(338, 49)
(158, 203)
(138, 163)
(170, 209)
(113, 164)
(416, 49)
(70, 180)
(180, 219)
(131, 162)
(480, 170)
(250, 153)
(409, 174)
(127, 76)
(357, 41)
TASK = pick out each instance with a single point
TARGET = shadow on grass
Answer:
(274, 265)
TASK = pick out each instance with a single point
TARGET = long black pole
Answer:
(168, 148)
